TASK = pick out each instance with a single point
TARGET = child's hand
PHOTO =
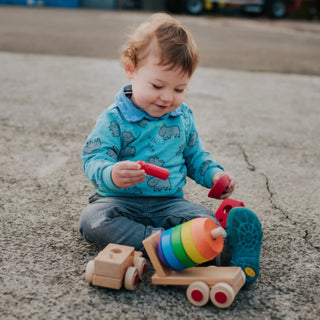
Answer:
(126, 174)
(230, 187)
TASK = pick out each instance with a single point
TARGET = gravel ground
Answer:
(263, 127)
(268, 139)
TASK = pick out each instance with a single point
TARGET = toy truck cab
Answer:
(116, 265)
(220, 284)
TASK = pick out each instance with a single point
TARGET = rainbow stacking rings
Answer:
(189, 244)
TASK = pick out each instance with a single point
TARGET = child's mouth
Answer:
(161, 106)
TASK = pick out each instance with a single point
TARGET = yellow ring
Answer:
(188, 243)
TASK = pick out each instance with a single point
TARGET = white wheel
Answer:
(131, 278)
(89, 271)
(222, 295)
(198, 293)
(141, 265)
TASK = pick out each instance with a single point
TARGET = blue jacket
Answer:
(125, 132)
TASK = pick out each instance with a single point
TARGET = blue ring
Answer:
(168, 253)
(161, 256)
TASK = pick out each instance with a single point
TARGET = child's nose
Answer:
(166, 96)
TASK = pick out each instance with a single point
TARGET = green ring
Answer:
(179, 249)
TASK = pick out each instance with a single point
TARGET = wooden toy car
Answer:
(220, 284)
(116, 265)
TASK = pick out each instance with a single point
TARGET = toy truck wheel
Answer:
(198, 293)
(141, 266)
(89, 271)
(222, 295)
(131, 278)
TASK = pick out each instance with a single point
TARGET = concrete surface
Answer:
(263, 127)
(285, 46)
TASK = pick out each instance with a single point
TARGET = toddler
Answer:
(149, 121)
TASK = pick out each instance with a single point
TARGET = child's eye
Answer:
(156, 87)
(179, 90)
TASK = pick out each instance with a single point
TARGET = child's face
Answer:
(155, 89)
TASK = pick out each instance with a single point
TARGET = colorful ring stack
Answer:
(189, 244)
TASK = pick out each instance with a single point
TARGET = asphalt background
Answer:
(256, 100)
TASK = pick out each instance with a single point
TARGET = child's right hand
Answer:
(126, 174)
(231, 186)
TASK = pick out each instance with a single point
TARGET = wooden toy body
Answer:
(220, 283)
(111, 265)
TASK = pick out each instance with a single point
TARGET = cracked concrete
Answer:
(262, 127)
(273, 201)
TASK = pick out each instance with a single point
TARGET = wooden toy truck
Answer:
(116, 265)
(220, 284)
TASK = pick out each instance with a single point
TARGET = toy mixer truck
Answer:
(219, 284)
(174, 255)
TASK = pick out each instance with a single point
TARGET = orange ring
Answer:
(188, 243)
(208, 247)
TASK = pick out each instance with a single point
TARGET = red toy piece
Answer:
(224, 209)
(219, 187)
(154, 170)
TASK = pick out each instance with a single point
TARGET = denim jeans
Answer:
(128, 221)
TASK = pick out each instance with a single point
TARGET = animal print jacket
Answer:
(125, 132)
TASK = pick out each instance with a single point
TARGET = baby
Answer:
(148, 121)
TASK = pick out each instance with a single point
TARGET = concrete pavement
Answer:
(263, 127)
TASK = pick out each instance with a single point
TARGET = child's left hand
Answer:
(230, 187)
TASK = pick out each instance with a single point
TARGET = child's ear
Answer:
(129, 68)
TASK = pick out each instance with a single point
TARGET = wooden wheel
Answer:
(141, 266)
(198, 293)
(89, 271)
(222, 295)
(131, 278)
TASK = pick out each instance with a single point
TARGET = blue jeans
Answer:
(128, 221)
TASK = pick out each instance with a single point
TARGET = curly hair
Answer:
(175, 44)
